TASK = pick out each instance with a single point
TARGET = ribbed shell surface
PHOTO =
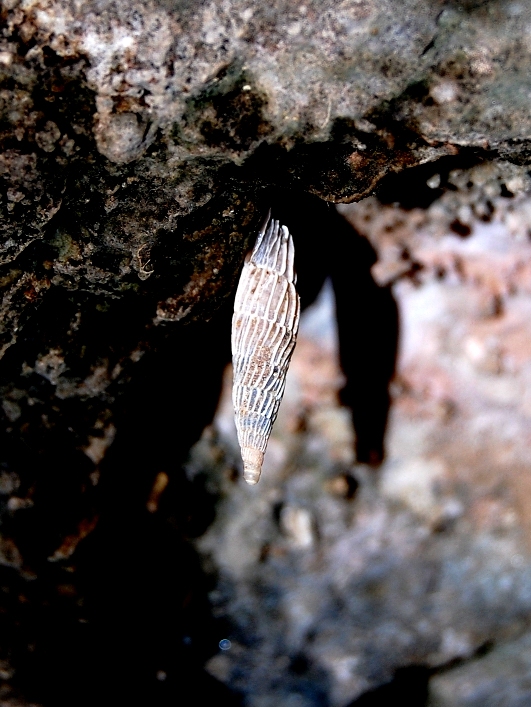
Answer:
(264, 330)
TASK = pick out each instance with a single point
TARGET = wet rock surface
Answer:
(140, 145)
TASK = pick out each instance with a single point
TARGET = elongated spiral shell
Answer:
(264, 330)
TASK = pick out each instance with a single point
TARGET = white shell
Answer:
(264, 330)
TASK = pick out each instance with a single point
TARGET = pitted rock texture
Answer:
(120, 119)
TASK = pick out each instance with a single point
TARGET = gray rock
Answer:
(503, 677)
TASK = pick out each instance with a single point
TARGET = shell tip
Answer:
(252, 464)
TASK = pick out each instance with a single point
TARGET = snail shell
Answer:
(264, 330)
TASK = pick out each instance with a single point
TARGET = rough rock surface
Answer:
(121, 119)
(500, 678)
(140, 144)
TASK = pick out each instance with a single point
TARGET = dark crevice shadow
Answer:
(326, 245)
(138, 628)
(147, 587)
(408, 687)
(367, 322)
(411, 189)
